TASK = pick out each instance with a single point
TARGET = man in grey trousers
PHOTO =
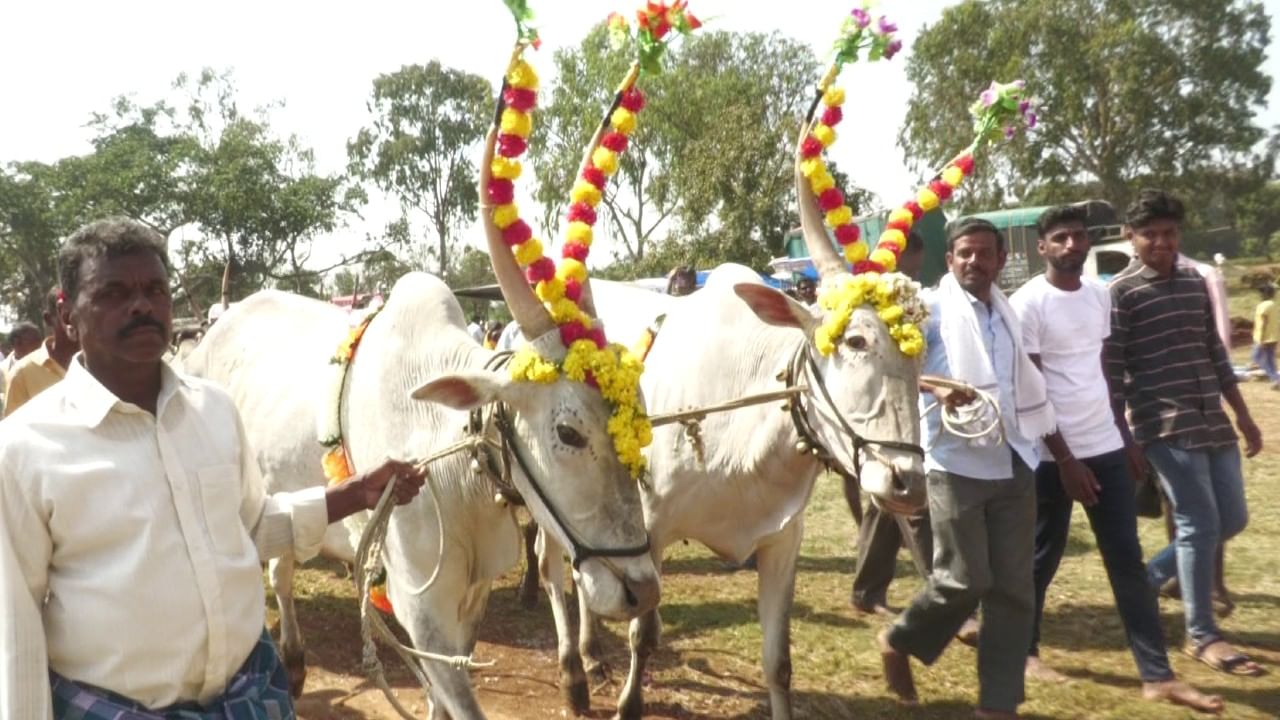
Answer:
(981, 484)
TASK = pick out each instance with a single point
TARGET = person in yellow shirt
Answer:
(43, 367)
(1266, 333)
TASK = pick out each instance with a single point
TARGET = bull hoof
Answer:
(577, 696)
(630, 710)
(295, 664)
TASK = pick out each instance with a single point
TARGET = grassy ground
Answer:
(708, 666)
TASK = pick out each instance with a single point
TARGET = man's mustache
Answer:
(140, 322)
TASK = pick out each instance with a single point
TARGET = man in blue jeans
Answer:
(1165, 361)
(1064, 318)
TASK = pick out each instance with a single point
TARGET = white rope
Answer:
(368, 562)
(954, 419)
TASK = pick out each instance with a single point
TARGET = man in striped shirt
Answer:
(1165, 361)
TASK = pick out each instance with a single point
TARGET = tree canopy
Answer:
(1131, 93)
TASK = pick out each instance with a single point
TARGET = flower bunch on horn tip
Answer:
(859, 32)
(526, 33)
(1003, 109)
(654, 21)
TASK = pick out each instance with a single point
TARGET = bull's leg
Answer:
(589, 643)
(776, 591)
(529, 586)
(291, 647)
(573, 681)
(644, 638)
(452, 695)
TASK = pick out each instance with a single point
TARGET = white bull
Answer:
(272, 353)
(745, 489)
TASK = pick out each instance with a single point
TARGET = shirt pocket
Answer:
(220, 499)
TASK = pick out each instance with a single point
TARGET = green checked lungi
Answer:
(258, 691)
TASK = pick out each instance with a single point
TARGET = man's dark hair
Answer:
(1152, 205)
(915, 243)
(969, 225)
(806, 281)
(1060, 215)
(20, 329)
(111, 238)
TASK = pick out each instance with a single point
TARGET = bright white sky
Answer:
(64, 59)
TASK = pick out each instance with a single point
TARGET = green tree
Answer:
(1259, 219)
(252, 199)
(1141, 91)
(34, 216)
(427, 120)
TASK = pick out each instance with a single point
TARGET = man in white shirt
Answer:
(133, 519)
(1065, 318)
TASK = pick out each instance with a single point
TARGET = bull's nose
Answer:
(642, 595)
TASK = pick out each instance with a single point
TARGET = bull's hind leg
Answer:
(644, 638)
(573, 681)
(291, 646)
(777, 585)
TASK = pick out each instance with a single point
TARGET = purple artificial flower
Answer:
(861, 18)
(1024, 106)
(886, 27)
(988, 97)
(892, 49)
(1008, 133)
(1031, 119)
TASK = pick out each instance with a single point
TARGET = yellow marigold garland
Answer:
(894, 297)
(337, 466)
(616, 372)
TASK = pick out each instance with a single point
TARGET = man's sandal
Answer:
(1237, 663)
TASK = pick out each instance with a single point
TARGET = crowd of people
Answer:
(114, 465)
(1051, 355)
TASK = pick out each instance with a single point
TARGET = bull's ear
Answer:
(775, 307)
(461, 391)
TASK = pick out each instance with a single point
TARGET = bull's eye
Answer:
(856, 342)
(570, 437)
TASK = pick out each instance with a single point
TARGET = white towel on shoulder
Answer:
(968, 360)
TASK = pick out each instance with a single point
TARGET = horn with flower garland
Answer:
(575, 345)
(1001, 109)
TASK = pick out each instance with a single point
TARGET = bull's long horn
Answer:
(811, 224)
(528, 311)
(586, 302)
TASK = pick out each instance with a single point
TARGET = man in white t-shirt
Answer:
(1064, 319)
